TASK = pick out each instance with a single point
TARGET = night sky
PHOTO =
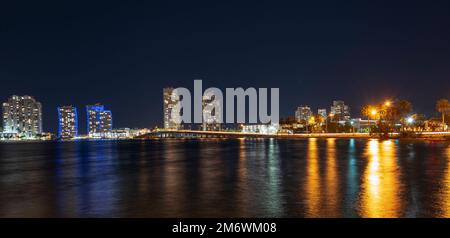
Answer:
(123, 54)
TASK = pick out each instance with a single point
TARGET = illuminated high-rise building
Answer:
(340, 111)
(303, 113)
(67, 122)
(22, 115)
(99, 121)
(169, 104)
(211, 117)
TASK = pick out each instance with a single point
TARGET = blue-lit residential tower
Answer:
(67, 122)
(99, 121)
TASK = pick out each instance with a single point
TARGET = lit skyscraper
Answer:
(169, 104)
(340, 111)
(22, 115)
(67, 122)
(303, 113)
(99, 121)
(211, 118)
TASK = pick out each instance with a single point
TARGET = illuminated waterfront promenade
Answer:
(226, 134)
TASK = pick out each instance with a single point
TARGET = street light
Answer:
(387, 113)
(326, 121)
(311, 122)
(373, 112)
(410, 120)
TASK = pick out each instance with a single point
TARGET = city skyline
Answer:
(358, 53)
(339, 111)
(206, 116)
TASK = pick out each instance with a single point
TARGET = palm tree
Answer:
(402, 108)
(365, 111)
(443, 106)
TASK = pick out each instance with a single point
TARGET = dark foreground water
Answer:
(226, 178)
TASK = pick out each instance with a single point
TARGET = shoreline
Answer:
(422, 137)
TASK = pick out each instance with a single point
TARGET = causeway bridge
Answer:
(195, 134)
(227, 134)
(202, 134)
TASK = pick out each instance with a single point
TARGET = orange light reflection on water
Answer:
(331, 180)
(380, 195)
(445, 202)
(312, 182)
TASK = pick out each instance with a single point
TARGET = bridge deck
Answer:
(227, 134)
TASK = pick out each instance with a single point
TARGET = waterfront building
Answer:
(121, 133)
(168, 105)
(261, 128)
(435, 124)
(340, 111)
(211, 118)
(303, 114)
(128, 133)
(99, 121)
(22, 115)
(361, 125)
(67, 122)
(322, 112)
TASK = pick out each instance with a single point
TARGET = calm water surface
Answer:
(226, 178)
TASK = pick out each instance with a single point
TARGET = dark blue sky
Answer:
(123, 54)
